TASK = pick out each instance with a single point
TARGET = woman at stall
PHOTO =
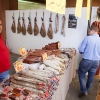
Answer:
(4, 57)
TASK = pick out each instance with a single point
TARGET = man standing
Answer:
(90, 50)
(4, 58)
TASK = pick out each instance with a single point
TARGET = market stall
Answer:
(50, 78)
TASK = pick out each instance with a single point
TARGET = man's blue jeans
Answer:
(4, 75)
(85, 66)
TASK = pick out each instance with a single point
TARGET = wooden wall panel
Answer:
(13, 4)
(6, 5)
(72, 3)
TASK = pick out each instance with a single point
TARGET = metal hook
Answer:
(36, 12)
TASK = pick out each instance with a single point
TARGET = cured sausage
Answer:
(63, 25)
(56, 23)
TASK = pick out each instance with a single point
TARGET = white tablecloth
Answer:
(66, 79)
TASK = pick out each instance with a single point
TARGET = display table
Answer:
(66, 79)
(55, 90)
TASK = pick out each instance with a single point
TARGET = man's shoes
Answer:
(80, 95)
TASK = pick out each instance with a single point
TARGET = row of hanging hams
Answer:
(36, 30)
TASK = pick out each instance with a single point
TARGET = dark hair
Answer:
(95, 28)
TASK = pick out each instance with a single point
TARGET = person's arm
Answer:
(83, 45)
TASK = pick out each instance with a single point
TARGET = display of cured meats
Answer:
(29, 28)
(63, 25)
(56, 23)
(36, 29)
(13, 27)
(98, 25)
(39, 83)
(19, 28)
(43, 30)
(23, 26)
(50, 31)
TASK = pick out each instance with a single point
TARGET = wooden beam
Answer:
(72, 3)
(13, 4)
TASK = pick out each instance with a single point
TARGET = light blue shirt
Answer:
(90, 47)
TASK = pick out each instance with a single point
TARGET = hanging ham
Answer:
(29, 28)
(36, 29)
(13, 27)
(23, 26)
(43, 30)
(50, 31)
(19, 28)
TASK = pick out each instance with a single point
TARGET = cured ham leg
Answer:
(36, 29)
(43, 30)
(19, 28)
(13, 27)
(23, 26)
(50, 31)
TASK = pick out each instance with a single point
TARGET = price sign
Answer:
(44, 56)
(59, 44)
(22, 51)
(88, 10)
(18, 66)
(58, 6)
(78, 8)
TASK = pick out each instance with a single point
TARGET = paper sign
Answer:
(18, 66)
(44, 56)
(78, 8)
(88, 10)
(57, 6)
(23, 51)
(59, 44)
